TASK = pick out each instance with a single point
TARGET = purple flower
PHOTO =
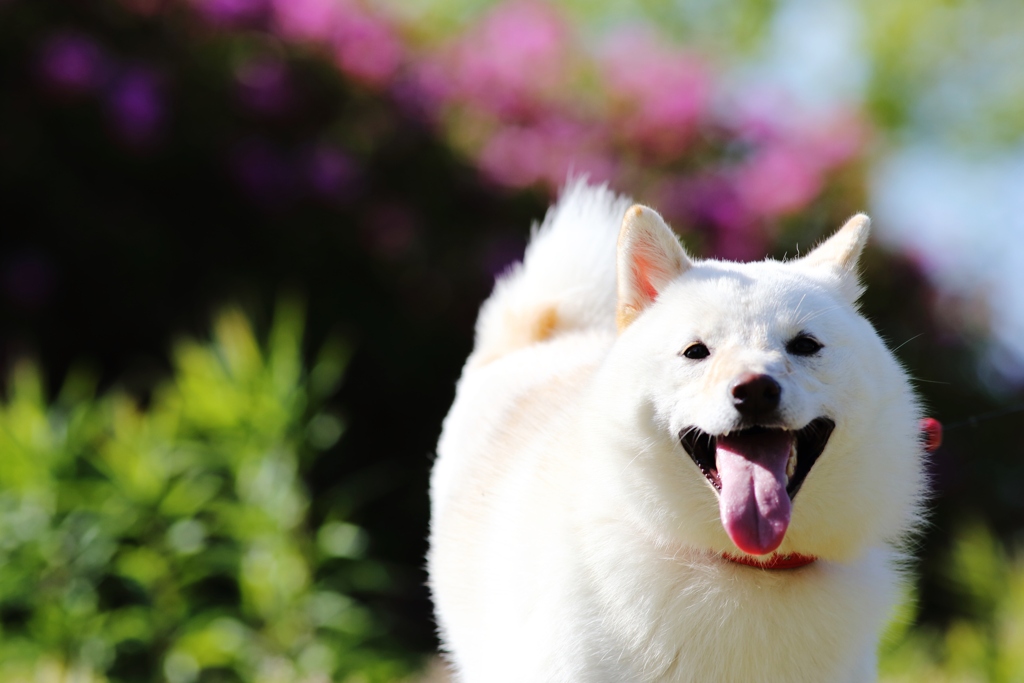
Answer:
(72, 64)
(263, 86)
(709, 199)
(419, 93)
(710, 203)
(331, 173)
(136, 106)
(746, 242)
(232, 12)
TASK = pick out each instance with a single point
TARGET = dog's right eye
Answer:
(696, 351)
(804, 345)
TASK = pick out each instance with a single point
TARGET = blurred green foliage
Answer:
(987, 643)
(946, 69)
(175, 541)
(719, 27)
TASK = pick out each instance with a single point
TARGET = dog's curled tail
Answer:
(566, 281)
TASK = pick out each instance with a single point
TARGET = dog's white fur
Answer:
(572, 537)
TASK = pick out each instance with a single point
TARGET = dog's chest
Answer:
(702, 623)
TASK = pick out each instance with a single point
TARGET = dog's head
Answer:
(767, 414)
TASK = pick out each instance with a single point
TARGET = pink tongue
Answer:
(753, 503)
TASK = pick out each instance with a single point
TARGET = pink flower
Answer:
(513, 156)
(790, 156)
(837, 139)
(544, 153)
(778, 180)
(514, 58)
(659, 92)
(366, 47)
(428, 83)
(305, 20)
(365, 44)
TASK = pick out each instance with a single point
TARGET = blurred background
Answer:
(243, 242)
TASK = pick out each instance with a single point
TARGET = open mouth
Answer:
(805, 446)
(756, 472)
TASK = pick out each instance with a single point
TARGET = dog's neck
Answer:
(792, 561)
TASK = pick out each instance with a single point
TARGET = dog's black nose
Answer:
(756, 396)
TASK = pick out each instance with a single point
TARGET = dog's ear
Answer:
(838, 255)
(649, 257)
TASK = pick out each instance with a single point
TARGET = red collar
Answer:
(772, 562)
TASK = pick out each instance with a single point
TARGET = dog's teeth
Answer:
(791, 463)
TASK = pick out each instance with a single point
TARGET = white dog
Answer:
(662, 469)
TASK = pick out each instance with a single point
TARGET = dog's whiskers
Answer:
(814, 314)
(644, 448)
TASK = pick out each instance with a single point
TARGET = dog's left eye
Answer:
(696, 351)
(804, 345)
